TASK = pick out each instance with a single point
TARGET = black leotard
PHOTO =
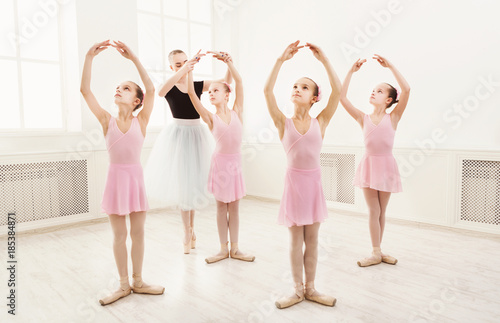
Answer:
(180, 103)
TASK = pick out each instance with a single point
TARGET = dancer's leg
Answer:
(297, 265)
(193, 238)
(222, 227)
(311, 233)
(137, 221)
(373, 203)
(311, 251)
(188, 232)
(296, 253)
(119, 227)
(234, 224)
(383, 198)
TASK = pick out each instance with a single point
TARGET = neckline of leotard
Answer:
(305, 133)
(376, 125)
(227, 124)
(175, 85)
(131, 124)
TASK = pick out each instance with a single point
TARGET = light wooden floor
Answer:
(443, 275)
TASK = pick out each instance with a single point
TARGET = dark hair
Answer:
(172, 53)
(139, 94)
(393, 94)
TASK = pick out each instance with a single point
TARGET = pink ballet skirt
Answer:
(124, 191)
(303, 201)
(225, 180)
(378, 169)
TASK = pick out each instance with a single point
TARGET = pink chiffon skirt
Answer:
(225, 179)
(303, 201)
(124, 191)
(378, 172)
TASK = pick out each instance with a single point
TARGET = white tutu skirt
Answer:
(176, 172)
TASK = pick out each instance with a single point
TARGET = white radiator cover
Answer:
(337, 174)
(44, 190)
(480, 191)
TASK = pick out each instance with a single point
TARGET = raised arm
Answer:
(355, 113)
(202, 111)
(102, 115)
(404, 86)
(327, 113)
(149, 98)
(228, 78)
(169, 84)
(238, 83)
(278, 116)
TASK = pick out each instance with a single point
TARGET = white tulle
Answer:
(176, 172)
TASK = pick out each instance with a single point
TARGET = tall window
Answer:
(34, 50)
(165, 25)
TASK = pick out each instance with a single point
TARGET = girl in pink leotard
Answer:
(225, 178)
(124, 192)
(377, 173)
(303, 205)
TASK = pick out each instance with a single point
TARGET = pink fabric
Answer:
(303, 201)
(378, 168)
(225, 180)
(124, 191)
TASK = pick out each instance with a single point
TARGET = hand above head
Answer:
(189, 65)
(290, 51)
(98, 47)
(123, 49)
(317, 52)
(221, 56)
(383, 61)
(357, 65)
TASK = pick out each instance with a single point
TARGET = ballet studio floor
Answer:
(443, 275)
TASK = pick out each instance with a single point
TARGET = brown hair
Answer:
(393, 94)
(139, 94)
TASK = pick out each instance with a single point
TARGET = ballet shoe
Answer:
(288, 301)
(320, 299)
(140, 287)
(223, 254)
(375, 259)
(389, 259)
(115, 296)
(240, 256)
(193, 241)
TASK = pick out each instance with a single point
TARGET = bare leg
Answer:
(296, 254)
(383, 200)
(186, 221)
(373, 203)
(234, 220)
(311, 233)
(137, 221)
(234, 225)
(222, 227)
(297, 264)
(119, 227)
(311, 250)
(193, 238)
